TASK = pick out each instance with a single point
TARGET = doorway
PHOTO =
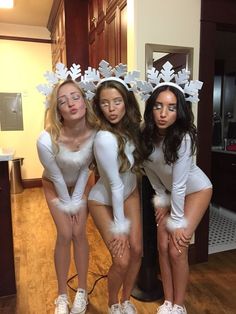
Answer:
(216, 27)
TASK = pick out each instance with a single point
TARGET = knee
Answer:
(136, 252)
(121, 263)
(79, 235)
(163, 247)
(175, 256)
(64, 238)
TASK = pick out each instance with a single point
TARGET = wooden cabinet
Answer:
(7, 267)
(86, 32)
(68, 24)
(107, 31)
(223, 174)
(58, 37)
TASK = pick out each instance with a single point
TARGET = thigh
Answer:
(195, 207)
(62, 220)
(102, 217)
(132, 210)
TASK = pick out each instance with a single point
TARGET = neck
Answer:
(75, 127)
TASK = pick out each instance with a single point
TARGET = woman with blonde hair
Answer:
(65, 151)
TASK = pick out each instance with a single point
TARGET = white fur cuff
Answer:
(161, 200)
(120, 227)
(172, 224)
(71, 207)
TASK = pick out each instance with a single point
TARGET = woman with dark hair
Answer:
(114, 201)
(183, 191)
(65, 151)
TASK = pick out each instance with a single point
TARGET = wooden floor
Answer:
(212, 288)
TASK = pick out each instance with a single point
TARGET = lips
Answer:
(112, 117)
(73, 111)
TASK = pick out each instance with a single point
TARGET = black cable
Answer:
(94, 284)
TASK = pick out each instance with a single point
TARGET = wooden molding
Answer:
(32, 183)
(36, 40)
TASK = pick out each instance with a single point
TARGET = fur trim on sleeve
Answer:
(71, 207)
(121, 227)
(161, 200)
(172, 224)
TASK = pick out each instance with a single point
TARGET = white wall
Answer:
(164, 22)
(22, 66)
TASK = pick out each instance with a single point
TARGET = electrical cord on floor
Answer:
(94, 284)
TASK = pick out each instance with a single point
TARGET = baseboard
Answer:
(32, 183)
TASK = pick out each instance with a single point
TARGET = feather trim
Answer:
(71, 207)
(172, 224)
(161, 200)
(121, 227)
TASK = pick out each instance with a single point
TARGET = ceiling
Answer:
(27, 12)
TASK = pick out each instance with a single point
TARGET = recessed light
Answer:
(6, 4)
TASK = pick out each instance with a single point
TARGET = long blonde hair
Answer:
(53, 121)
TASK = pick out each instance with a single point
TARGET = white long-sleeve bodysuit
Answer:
(66, 169)
(113, 187)
(179, 179)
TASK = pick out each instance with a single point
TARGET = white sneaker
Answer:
(128, 308)
(177, 309)
(165, 308)
(80, 302)
(115, 309)
(62, 304)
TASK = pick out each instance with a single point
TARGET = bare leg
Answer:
(164, 260)
(133, 212)
(195, 207)
(102, 216)
(81, 248)
(63, 224)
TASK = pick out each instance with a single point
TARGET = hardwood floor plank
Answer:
(212, 288)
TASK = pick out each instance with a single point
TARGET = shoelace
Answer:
(62, 305)
(178, 310)
(80, 300)
(128, 307)
(116, 309)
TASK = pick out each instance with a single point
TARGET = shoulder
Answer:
(105, 136)
(44, 138)
(105, 139)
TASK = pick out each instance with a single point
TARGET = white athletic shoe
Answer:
(177, 309)
(62, 304)
(128, 308)
(80, 302)
(165, 308)
(115, 309)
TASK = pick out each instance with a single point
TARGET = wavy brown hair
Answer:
(127, 129)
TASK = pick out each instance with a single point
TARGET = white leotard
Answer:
(66, 169)
(179, 179)
(113, 187)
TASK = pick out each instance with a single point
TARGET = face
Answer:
(112, 105)
(70, 103)
(165, 110)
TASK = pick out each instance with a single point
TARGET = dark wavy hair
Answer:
(127, 128)
(183, 125)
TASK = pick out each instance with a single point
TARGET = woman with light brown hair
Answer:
(65, 151)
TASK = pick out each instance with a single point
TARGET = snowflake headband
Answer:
(61, 74)
(91, 79)
(167, 77)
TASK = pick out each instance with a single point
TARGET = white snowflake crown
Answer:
(168, 77)
(62, 73)
(93, 78)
